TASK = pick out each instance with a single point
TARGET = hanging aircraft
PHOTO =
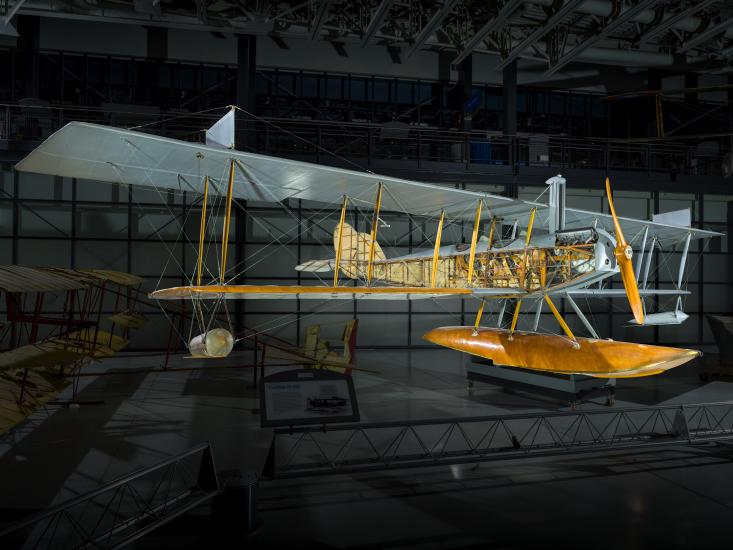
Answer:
(315, 353)
(563, 253)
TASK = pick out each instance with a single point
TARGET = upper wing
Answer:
(274, 292)
(666, 234)
(103, 153)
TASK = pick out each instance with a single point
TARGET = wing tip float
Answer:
(558, 354)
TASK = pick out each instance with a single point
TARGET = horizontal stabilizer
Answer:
(317, 266)
(663, 318)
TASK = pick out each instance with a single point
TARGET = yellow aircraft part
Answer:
(316, 352)
(558, 354)
(66, 351)
(355, 249)
(40, 387)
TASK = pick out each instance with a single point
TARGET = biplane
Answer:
(519, 252)
(55, 324)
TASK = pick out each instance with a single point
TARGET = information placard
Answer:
(307, 396)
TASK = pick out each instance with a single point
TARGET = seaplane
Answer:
(520, 252)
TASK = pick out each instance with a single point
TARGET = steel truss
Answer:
(121, 511)
(318, 450)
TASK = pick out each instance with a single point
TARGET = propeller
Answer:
(623, 255)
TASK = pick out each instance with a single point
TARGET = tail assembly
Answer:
(354, 255)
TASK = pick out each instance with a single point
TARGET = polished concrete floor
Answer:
(673, 498)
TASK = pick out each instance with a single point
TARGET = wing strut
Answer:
(339, 240)
(501, 314)
(202, 231)
(515, 318)
(436, 251)
(641, 255)
(526, 245)
(537, 314)
(479, 313)
(561, 321)
(227, 220)
(683, 260)
(375, 223)
(581, 316)
(491, 233)
(474, 237)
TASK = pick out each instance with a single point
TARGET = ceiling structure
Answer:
(689, 34)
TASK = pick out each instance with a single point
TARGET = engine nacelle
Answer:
(217, 342)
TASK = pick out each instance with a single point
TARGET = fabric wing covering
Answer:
(114, 155)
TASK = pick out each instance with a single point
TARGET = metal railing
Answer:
(319, 450)
(366, 143)
(123, 510)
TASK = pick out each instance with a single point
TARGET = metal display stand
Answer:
(374, 446)
(572, 388)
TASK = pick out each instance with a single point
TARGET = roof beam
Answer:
(320, 18)
(706, 35)
(672, 20)
(376, 23)
(624, 17)
(431, 26)
(506, 11)
(14, 10)
(554, 20)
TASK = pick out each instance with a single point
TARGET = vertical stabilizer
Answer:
(355, 252)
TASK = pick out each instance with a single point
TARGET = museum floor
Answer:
(674, 498)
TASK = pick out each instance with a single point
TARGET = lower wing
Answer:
(276, 292)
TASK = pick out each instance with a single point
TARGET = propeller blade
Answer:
(624, 253)
(620, 240)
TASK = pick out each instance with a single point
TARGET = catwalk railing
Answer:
(121, 511)
(318, 450)
(365, 143)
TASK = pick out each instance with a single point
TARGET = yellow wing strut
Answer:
(339, 239)
(373, 236)
(438, 236)
(529, 227)
(515, 317)
(525, 260)
(202, 232)
(560, 320)
(227, 220)
(479, 313)
(474, 237)
(491, 233)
